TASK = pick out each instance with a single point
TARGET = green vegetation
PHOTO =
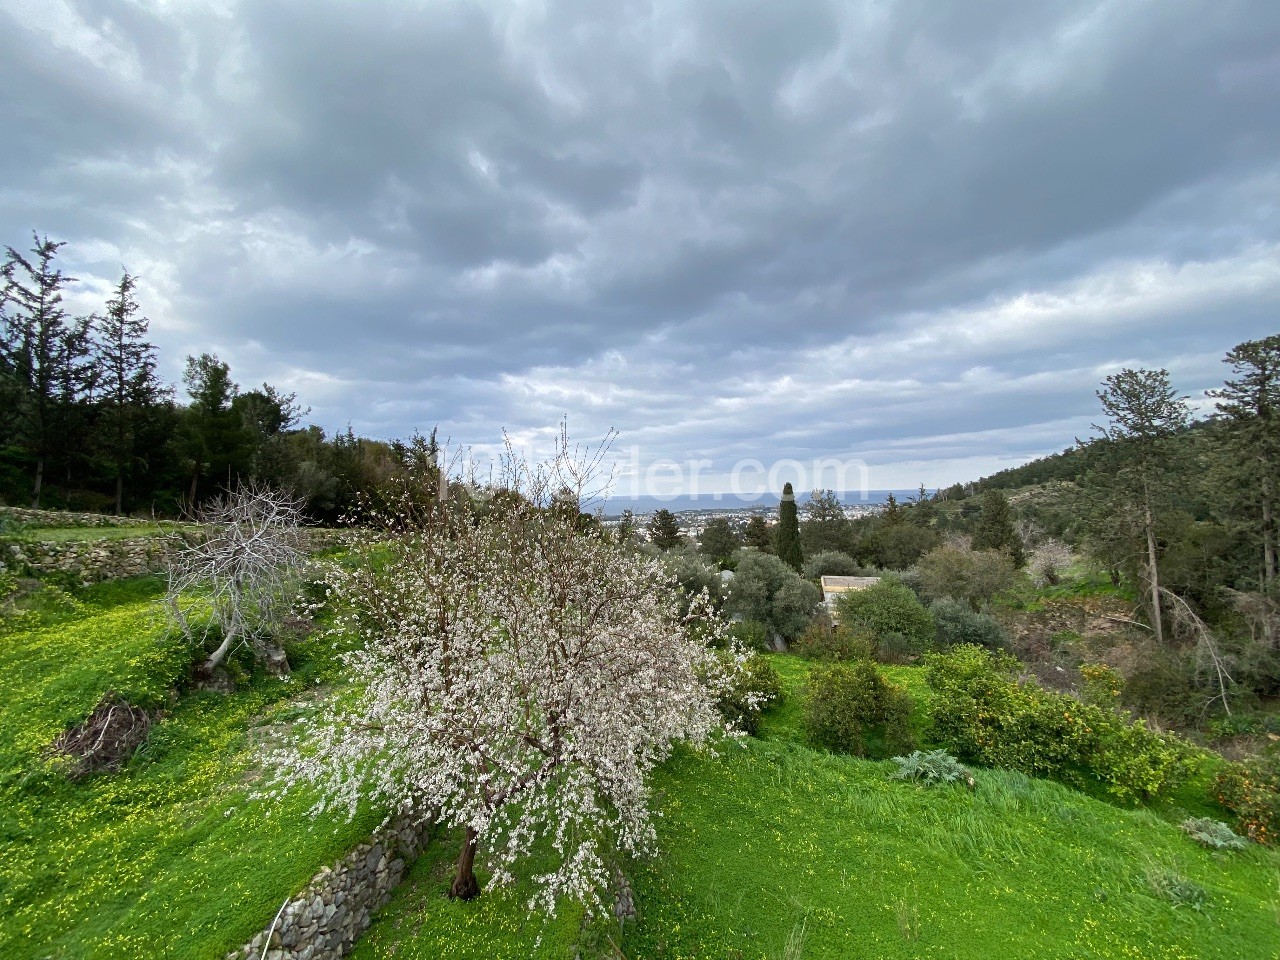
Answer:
(171, 856)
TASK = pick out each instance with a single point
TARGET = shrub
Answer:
(851, 708)
(1251, 791)
(750, 634)
(1213, 834)
(954, 623)
(755, 688)
(888, 608)
(832, 563)
(767, 590)
(931, 768)
(974, 576)
(1172, 886)
(982, 713)
(1101, 685)
(826, 641)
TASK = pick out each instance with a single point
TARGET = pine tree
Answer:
(130, 389)
(1145, 412)
(626, 527)
(825, 527)
(789, 549)
(995, 529)
(1251, 404)
(664, 529)
(718, 540)
(756, 534)
(45, 349)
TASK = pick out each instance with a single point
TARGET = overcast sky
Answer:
(914, 233)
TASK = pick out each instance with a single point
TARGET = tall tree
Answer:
(129, 387)
(664, 529)
(825, 527)
(213, 440)
(45, 348)
(995, 529)
(1251, 405)
(718, 540)
(789, 550)
(1145, 411)
(756, 534)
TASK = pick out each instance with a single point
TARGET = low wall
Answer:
(61, 518)
(89, 560)
(324, 921)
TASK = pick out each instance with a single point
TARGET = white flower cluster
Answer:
(519, 678)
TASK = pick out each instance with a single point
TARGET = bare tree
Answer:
(235, 581)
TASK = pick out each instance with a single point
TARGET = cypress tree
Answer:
(789, 550)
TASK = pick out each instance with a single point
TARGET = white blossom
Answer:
(519, 677)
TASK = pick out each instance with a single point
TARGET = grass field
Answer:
(168, 858)
(774, 850)
(768, 850)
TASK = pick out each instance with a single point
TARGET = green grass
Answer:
(169, 857)
(769, 849)
(774, 850)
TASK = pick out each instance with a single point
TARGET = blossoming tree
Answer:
(520, 676)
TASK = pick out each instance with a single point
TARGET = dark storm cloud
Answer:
(914, 232)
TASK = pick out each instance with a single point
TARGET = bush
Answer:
(931, 768)
(982, 713)
(767, 590)
(955, 623)
(888, 608)
(825, 641)
(756, 688)
(973, 576)
(833, 563)
(851, 708)
(1251, 791)
(1213, 834)
(750, 634)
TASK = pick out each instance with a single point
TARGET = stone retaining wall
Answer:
(61, 518)
(324, 921)
(88, 560)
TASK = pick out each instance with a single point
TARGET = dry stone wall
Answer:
(324, 921)
(88, 560)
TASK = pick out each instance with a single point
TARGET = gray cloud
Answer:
(917, 232)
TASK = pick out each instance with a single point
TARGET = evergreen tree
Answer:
(212, 438)
(129, 388)
(664, 529)
(626, 527)
(789, 549)
(995, 529)
(825, 527)
(756, 534)
(45, 350)
(892, 512)
(1145, 412)
(1251, 406)
(718, 541)
(923, 513)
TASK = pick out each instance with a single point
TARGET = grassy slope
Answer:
(168, 858)
(775, 850)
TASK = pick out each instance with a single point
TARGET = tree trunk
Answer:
(119, 490)
(464, 885)
(1268, 534)
(35, 499)
(1153, 571)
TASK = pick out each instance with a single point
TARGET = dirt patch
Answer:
(107, 738)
